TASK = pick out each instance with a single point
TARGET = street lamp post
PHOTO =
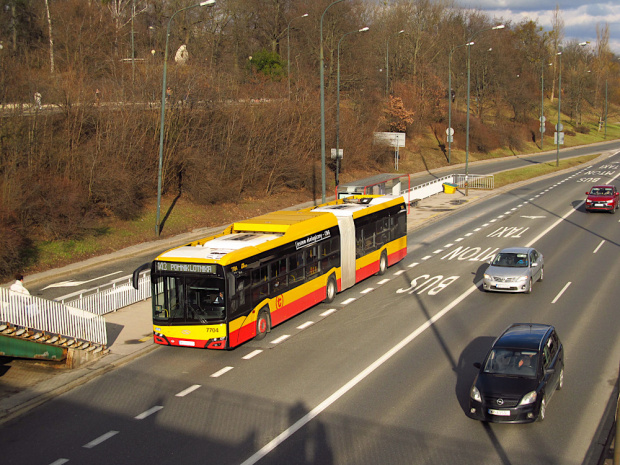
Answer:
(288, 49)
(501, 26)
(163, 111)
(558, 128)
(321, 73)
(542, 101)
(364, 29)
(387, 62)
(450, 99)
(605, 108)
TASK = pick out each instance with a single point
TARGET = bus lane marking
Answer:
(328, 312)
(385, 280)
(413, 264)
(252, 354)
(426, 258)
(217, 374)
(100, 439)
(149, 412)
(305, 325)
(367, 290)
(399, 272)
(599, 246)
(348, 301)
(188, 390)
(557, 297)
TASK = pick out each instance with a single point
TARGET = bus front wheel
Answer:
(262, 325)
(331, 290)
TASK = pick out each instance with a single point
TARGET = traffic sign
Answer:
(340, 153)
(450, 131)
(542, 119)
(559, 127)
(558, 138)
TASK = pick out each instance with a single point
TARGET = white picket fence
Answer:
(50, 316)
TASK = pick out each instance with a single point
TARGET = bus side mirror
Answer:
(136, 274)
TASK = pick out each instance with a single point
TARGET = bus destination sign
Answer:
(185, 267)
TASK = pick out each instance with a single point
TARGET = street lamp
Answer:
(501, 26)
(558, 128)
(364, 29)
(321, 72)
(450, 130)
(163, 109)
(387, 62)
(288, 48)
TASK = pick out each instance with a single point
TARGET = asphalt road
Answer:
(382, 375)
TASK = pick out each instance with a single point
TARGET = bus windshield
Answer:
(183, 300)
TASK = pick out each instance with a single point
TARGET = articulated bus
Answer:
(224, 290)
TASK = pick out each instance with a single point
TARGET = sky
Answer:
(580, 16)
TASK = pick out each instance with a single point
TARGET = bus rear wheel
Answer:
(383, 264)
(331, 290)
(262, 325)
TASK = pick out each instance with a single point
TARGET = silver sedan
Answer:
(514, 270)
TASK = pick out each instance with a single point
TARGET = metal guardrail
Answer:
(112, 296)
(47, 315)
(427, 189)
(475, 181)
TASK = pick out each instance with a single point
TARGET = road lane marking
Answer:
(305, 325)
(252, 354)
(149, 412)
(79, 283)
(566, 215)
(328, 312)
(399, 272)
(413, 264)
(280, 339)
(383, 281)
(217, 374)
(599, 246)
(557, 297)
(348, 301)
(287, 433)
(59, 462)
(187, 391)
(100, 439)
(367, 290)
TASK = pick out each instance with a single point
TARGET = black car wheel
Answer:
(543, 410)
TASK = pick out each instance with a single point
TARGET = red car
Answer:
(603, 198)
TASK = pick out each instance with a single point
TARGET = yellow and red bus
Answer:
(221, 291)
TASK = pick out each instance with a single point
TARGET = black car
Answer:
(519, 375)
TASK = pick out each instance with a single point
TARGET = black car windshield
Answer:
(511, 362)
(518, 260)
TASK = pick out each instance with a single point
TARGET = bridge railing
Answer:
(50, 316)
(112, 296)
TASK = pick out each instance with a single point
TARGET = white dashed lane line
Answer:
(188, 390)
(281, 339)
(217, 374)
(348, 301)
(557, 297)
(305, 325)
(252, 354)
(328, 312)
(100, 439)
(149, 412)
(599, 246)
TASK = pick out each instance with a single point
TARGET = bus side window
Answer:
(382, 232)
(312, 264)
(296, 268)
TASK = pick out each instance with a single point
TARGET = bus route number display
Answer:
(185, 267)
